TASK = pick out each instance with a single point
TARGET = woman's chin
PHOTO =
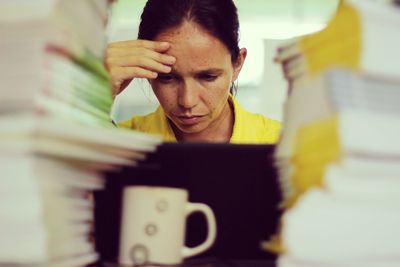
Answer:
(190, 128)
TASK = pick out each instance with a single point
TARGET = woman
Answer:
(188, 50)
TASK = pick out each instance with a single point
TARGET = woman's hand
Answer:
(127, 60)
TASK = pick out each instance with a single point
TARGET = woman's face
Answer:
(194, 94)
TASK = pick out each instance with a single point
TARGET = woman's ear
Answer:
(239, 63)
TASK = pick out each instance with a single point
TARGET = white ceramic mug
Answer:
(153, 226)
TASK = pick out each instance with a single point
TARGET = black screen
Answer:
(239, 182)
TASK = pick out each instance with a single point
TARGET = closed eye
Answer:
(208, 77)
(165, 78)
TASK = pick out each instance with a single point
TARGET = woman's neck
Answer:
(219, 131)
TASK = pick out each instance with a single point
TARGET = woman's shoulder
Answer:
(152, 123)
(267, 123)
(143, 123)
(265, 129)
(254, 128)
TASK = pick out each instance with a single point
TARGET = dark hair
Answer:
(218, 17)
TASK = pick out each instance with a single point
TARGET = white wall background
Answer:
(265, 24)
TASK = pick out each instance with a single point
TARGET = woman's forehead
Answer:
(193, 46)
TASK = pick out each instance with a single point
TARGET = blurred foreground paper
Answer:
(338, 155)
(56, 136)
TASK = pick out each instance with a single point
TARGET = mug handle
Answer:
(211, 225)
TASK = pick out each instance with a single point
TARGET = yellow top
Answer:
(249, 128)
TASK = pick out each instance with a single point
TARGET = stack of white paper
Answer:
(359, 37)
(47, 177)
(56, 136)
(338, 155)
(339, 112)
(52, 63)
(352, 221)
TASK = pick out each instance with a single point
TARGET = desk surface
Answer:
(212, 263)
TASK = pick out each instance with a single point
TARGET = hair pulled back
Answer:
(217, 17)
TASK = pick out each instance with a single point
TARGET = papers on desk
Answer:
(40, 78)
(353, 221)
(354, 123)
(338, 155)
(344, 225)
(359, 37)
(75, 25)
(56, 136)
(338, 90)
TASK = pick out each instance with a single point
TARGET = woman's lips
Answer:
(189, 120)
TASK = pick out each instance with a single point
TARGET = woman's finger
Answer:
(130, 58)
(121, 74)
(140, 52)
(159, 57)
(134, 61)
(153, 45)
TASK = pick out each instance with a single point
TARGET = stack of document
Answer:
(49, 169)
(56, 137)
(359, 37)
(51, 59)
(338, 156)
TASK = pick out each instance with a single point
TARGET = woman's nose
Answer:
(188, 95)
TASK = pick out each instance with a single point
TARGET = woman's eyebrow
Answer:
(208, 71)
(215, 71)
